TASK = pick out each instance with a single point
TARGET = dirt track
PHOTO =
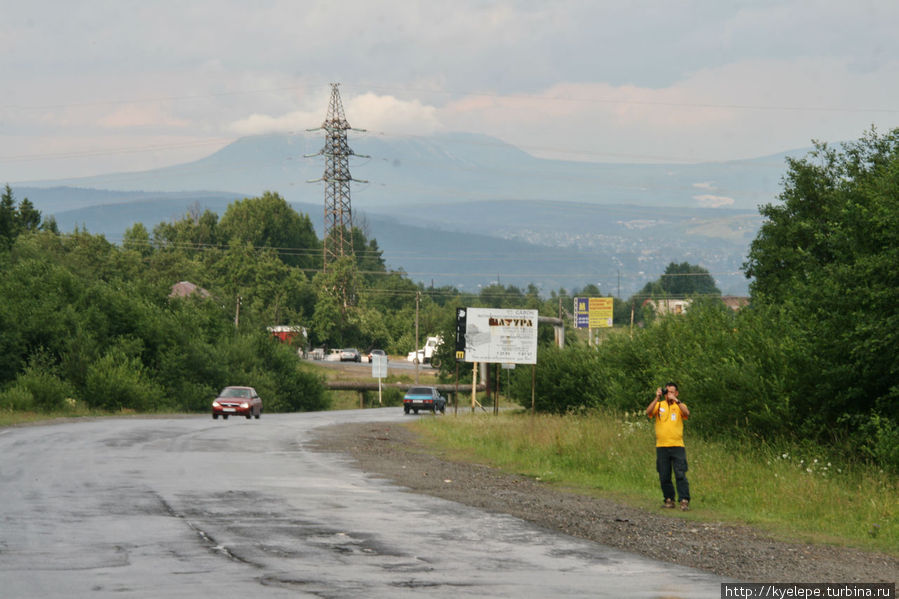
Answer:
(391, 450)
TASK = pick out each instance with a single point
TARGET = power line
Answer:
(187, 246)
(629, 102)
(120, 150)
(399, 90)
(461, 256)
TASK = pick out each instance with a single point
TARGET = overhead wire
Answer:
(458, 93)
(315, 253)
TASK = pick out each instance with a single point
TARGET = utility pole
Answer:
(338, 225)
(417, 301)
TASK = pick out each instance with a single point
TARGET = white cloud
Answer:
(712, 201)
(375, 113)
(143, 115)
(387, 113)
(739, 110)
(259, 124)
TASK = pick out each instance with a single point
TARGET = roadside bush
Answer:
(274, 369)
(389, 397)
(566, 379)
(878, 439)
(192, 373)
(193, 396)
(16, 399)
(729, 368)
(294, 389)
(48, 392)
(116, 382)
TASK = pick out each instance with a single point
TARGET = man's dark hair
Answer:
(672, 385)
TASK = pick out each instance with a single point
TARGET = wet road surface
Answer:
(191, 507)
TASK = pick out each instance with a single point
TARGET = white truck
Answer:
(426, 354)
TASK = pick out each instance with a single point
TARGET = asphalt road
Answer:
(192, 507)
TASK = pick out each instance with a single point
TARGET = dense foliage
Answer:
(815, 357)
(829, 254)
(88, 322)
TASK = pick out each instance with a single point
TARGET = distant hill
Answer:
(563, 245)
(112, 212)
(465, 210)
(451, 168)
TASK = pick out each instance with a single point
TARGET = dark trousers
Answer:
(668, 459)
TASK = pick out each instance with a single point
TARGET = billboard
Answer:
(593, 312)
(581, 312)
(508, 336)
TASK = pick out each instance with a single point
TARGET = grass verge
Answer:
(20, 418)
(794, 493)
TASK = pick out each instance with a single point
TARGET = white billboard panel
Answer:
(379, 367)
(501, 335)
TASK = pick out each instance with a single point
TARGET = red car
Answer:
(243, 401)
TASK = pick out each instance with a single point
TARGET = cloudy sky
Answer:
(92, 87)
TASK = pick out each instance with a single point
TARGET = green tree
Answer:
(137, 239)
(497, 295)
(195, 232)
(24, 218)
(589, 290)
(28, 216)
(336, 318)
(8, 219)
(391, 292)
(270, 222)
(271, 292)
(827, 254)
(369, 257)
(49, 225)
(682, 280)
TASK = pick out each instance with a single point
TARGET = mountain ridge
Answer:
(451, 167)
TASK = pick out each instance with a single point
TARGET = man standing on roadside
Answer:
(669, 414)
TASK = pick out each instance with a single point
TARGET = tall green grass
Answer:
(795, 493)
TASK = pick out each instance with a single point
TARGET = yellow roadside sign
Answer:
(600, 312)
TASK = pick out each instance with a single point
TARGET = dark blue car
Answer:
(423, 398)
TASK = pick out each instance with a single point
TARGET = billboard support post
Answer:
(474, 384)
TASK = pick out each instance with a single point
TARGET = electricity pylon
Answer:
(338, 226)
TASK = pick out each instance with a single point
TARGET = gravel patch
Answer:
(391, 450)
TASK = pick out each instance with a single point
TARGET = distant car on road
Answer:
(350, 354)
(243, 401)
(377, 352)
(427, 354)
(423, 398)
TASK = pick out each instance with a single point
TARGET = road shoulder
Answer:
(391, 450)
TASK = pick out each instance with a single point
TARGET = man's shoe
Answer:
(684, 505)
(669, 503)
